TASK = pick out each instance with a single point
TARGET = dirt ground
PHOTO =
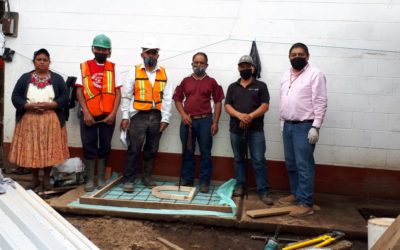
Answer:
(118, 233)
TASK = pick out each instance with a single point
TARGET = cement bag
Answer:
(68, 173)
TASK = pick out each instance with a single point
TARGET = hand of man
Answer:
(124, 124)
(313, 135)
(243, 125)
(186, 119)
(109, 119)
(214, 129)
(163, 126)
(88, 119)
(245, 118)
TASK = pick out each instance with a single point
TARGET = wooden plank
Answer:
(107, 187)
(151, 205)
(390, 239)
(157, 192)
(269, 211)
(169, 244)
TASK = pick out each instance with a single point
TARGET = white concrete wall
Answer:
(354, 42)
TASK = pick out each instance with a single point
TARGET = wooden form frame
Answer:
(96, 199)
(157, 192)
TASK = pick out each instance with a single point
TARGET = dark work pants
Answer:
(144, 129)
(96, 139)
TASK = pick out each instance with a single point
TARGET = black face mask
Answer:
(100, 57)
(199, 71)
(246, 73)
(150, 62)
(298, 63)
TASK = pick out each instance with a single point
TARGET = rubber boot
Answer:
(89, 186)
(147, 181)
(101, 168)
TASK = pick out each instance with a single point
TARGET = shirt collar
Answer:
(301, 71)
(155, 69)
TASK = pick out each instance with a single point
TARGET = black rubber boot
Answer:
(147, 181)
(101, 169)
(89, 186)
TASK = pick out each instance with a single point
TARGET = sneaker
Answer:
(266, 200)
(288, 200)
(204, 188)
(128, 187)
(301, 210)
(239, 191)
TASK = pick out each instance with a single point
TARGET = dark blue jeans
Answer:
(96, 139)
(255, 142)
(144, 129)
(201, 131)
(300, 164)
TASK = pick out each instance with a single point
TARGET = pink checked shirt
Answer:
(303, 97)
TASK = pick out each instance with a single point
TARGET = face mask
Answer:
(246, 73)
(150, 62)
(298, 63)
(199, 71)
(100, 57)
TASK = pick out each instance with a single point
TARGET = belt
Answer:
(297, 122)
(150, 111)
(195, 117)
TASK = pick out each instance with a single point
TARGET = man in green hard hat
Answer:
(99, 96)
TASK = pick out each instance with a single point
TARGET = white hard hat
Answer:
(150, 43)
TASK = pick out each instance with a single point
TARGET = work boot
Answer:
(301, 210)
(101, 169)
(288, 200)
(204, 188)
(266, 199)
(185, 183)
(89, 186)
(239, 191)
(147, 181)
(128, 187)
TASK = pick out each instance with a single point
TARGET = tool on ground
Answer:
(321, 241)
(272, 243)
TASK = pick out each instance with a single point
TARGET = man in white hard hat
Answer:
(146, 110)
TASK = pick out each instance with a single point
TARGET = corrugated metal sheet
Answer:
(27, 222)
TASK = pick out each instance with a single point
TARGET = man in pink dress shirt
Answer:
(303, 105)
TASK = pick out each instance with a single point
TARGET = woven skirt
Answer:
(39, 141)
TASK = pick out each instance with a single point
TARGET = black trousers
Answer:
(144, 132)
(96, 139)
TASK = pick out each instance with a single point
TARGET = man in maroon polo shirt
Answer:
(193, 101)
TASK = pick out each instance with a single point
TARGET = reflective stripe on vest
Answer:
(145, 93)
(99, 101)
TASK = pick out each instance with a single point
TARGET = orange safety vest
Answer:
(99, 101)
(145, 94)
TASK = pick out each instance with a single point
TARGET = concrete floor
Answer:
(347, 214)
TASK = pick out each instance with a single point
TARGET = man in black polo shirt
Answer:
(246, 102)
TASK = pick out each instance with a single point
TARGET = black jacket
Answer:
(20, 91)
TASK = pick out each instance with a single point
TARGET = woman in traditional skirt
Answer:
(40, 135)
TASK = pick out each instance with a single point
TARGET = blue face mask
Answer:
(150, 62)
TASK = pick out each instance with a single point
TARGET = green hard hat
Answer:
(102, 41)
